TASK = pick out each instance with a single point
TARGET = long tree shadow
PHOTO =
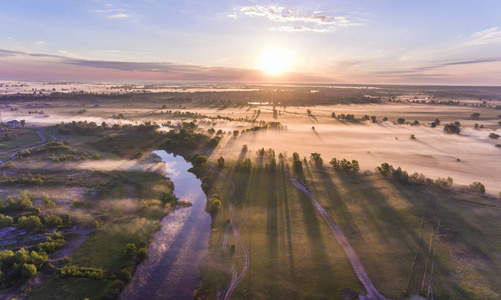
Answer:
(343, 217)
(465, 236)
(313, 232)
(283, 193)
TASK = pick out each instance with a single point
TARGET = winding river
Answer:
(172, 268)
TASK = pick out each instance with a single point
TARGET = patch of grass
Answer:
(105, 248)
(57, 288)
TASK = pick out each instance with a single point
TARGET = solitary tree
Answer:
(316, 159)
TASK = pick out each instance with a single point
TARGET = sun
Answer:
(275, 61)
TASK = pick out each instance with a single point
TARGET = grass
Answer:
(56, 288)
(392, 227)
(294, 255)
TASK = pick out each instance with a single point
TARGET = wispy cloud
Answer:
(110, 11)
(488, 36)
(316, 21)
(418, 71)
(118, 16)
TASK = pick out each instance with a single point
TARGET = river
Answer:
(172, 268)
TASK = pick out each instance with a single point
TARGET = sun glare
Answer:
(275, 62)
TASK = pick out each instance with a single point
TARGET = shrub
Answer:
(23, 202)
(477, 187)
(475, 116)
(130, 250)
(220, 163)
(215, 207)
(400, 120)
(95, 224)
(412, 137)
(6, 221)
(452, 128)
(30, 222)
(345, 165)
(142, 253)
(52, 243)
(28, 271)
(493, 136)
(47, 202)
(53, 221)
(443, 182)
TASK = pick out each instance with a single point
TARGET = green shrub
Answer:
(53, 221)
(477, 187)
(30, 222)
(6, 221)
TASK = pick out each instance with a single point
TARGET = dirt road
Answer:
(348, 250)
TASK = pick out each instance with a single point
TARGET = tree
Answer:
(494, 136)
(200, 160)
(308, 112)
(316, 159)
(23, 122)
(475, 116)
(220, 163)
(333, 115)
(385, 119)
(400, 121)
(452, 128)
(416, 122)
(365, 118)
(385, 169)
(412, 137)
(130, 250)
(373, 118)
(477, 187)
(235, 133)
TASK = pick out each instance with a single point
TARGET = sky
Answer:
(333, 41)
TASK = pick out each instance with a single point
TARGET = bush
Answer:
(53, 221)
(477, 187)
(316, 159)
(95, 224)
(475, 116)
(345, 165)
(130, 250)
(30, 222)
(220, 163)
(452, 128)
(215, 207)
(400, 121)
(494, 136)
(142, 253)
(52, 243)
(6, 221)
(28, 271)
(443, 182)
(23, 202)
(47, 202)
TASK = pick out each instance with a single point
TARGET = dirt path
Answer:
(241, 252)
(343, 242)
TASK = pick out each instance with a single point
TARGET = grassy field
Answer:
(56, 288)
(294, 255)
(392, 228)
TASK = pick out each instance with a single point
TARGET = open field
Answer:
(392, 227)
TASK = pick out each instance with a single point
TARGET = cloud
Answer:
(316, 21)
(488, 36)
(118, 16)
(9, 53)
(437, 64)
